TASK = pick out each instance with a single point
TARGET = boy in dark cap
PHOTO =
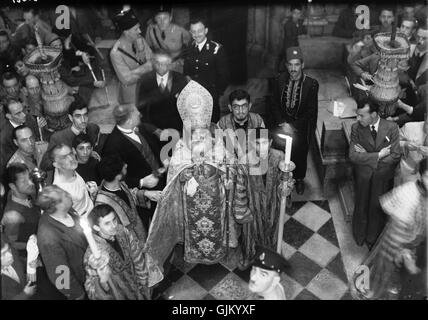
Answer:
(265, 274)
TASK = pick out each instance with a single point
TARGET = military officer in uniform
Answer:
(130, 56)
(169, 37)
(295, 105)
(206, 63)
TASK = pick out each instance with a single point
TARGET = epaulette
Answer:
(217, 46)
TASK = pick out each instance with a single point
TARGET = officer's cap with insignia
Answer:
(294, 53)
(269, 260)
(125, 20)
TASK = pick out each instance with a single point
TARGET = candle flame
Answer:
(282, 136)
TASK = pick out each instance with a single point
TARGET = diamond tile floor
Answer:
(309, 244)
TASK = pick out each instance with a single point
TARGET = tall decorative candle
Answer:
(288, 144)
(90, 237)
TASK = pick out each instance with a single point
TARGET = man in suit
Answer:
(14, 285)
(206, 63)
(136, 146)
(16, 115)
(78, 115)
(157, 93)
(295, 104)
(418, 63)
(130, 56)
(375, 151)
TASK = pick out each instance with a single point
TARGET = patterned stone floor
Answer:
(309, 244)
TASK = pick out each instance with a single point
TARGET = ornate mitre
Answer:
(195, 105)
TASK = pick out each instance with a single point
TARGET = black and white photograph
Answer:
(194, 151)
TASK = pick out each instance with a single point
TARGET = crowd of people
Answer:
(98, 216)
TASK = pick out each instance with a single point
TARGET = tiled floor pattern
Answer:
(310, 245)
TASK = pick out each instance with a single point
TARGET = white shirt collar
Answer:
(14, 125)
(125, 131)
(201, 45)
(376, 125)
(159, 78)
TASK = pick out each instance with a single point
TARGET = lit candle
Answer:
(90, 237)
(288, 143)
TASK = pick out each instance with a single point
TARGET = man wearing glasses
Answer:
(240, 116)
(65, 163)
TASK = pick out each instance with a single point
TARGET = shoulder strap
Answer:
(157, 39)
(130, 56)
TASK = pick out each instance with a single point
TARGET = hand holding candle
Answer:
(84, 223)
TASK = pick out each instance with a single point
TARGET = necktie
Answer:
(134, 49)
(163, 35)
(374, 133)
(162, 84)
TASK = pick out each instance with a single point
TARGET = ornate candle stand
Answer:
(286, 188)
(43, 64)
(393, 49)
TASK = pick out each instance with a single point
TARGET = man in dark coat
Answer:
(295, 103)
(16, 115)
(206, 63)
(14, 285)
(136, 146)
(375, 151)
(157, 92)
(61, 242)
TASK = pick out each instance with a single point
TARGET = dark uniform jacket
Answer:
(208, 67)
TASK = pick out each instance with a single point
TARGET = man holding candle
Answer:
(117, 267)
(295, 104)
(261, 194)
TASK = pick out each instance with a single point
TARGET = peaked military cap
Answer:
(269, 260)
(125, 20)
